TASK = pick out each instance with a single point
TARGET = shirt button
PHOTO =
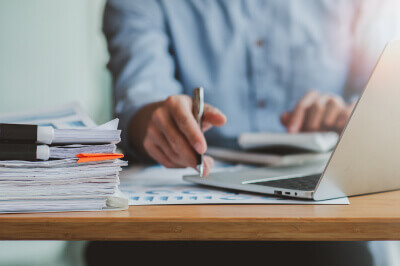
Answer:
(260, 42)
(261, 103)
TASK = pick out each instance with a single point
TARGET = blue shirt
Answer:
(255, 59)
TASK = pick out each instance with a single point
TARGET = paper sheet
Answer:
(67, 117)
(159, 186)
(61, 185)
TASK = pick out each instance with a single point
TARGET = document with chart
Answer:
(160, 186)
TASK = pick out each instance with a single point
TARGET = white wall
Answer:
(53, 52)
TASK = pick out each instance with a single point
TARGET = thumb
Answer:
(213, 116)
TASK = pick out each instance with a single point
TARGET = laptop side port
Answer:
(278, 192)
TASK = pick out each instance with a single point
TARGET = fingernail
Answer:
(198, 148)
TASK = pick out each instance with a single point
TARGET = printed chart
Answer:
(160, 186)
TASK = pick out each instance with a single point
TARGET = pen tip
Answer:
(201, 170)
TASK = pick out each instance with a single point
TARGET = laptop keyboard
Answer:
(305, 183)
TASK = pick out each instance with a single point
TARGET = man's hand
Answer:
(318, 112)
(168, 132)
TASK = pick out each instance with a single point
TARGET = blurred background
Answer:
(52, 52)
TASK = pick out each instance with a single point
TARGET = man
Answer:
(266, 65)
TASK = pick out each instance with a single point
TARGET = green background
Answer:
(52, 52)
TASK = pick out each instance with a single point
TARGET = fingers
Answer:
(181, 112)
(157, 154)
(158, 148)
(173, 137)
(206, 126)
(175, 143)
(296, 120)
(334, 107)
(208, 164)
(314, 114)
(213, 116)
(159, 140)
(285, 119)
(344, 117)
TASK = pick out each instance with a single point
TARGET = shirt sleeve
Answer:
(140, 62)
(376, 22)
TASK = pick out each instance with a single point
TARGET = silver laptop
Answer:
(365, 160)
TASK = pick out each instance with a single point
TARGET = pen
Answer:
(198, 110)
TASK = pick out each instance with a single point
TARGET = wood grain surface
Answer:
(369, 217)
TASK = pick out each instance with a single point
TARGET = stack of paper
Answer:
(64, 184)
(70, 151)
(59, 185)
(69, 136)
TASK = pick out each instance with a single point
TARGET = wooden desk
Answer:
(371, 217)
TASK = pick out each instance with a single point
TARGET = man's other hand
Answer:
(168, 132)
(318, 112)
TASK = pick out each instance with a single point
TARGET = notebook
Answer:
(278, 149)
